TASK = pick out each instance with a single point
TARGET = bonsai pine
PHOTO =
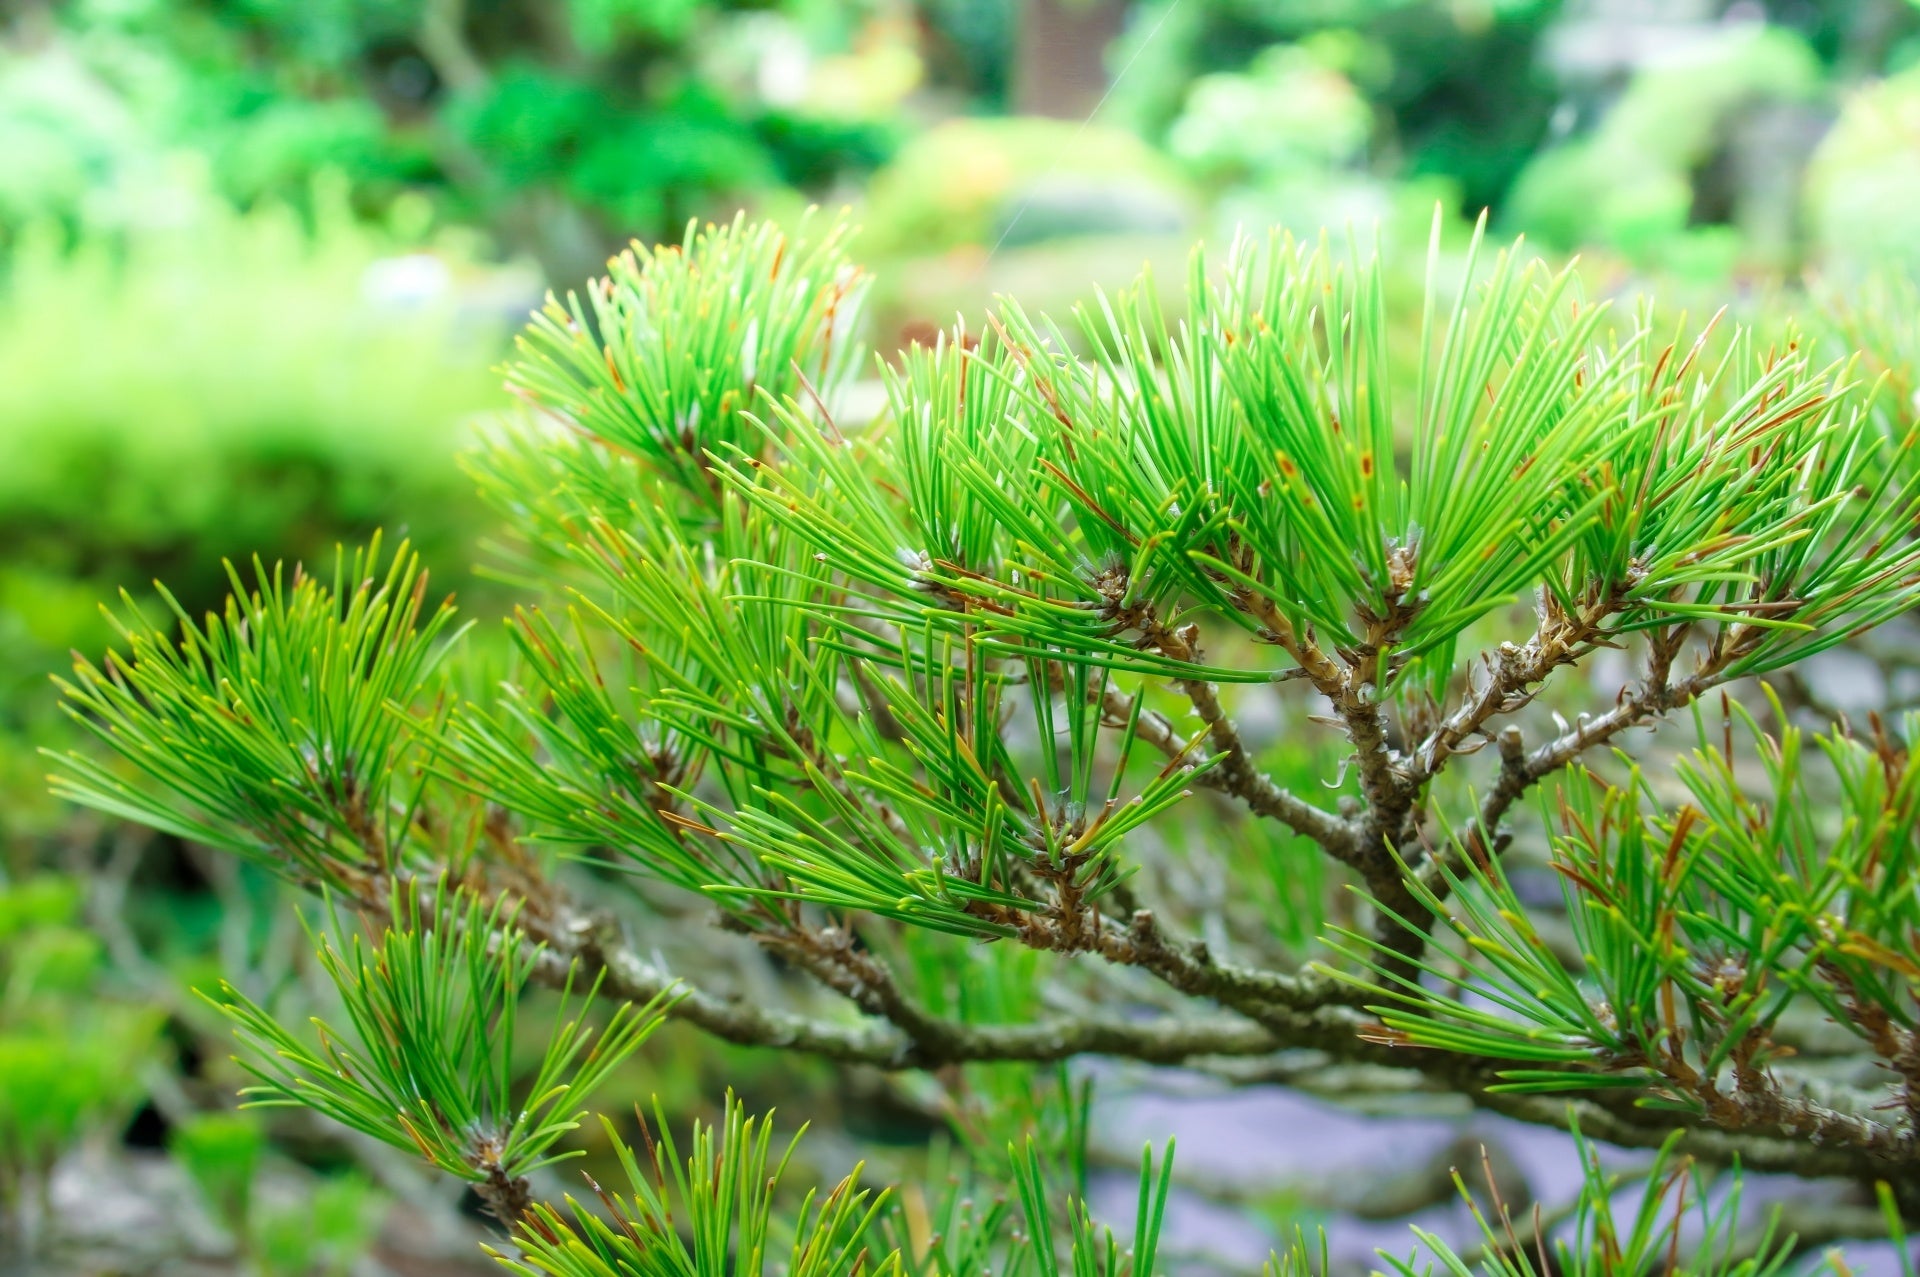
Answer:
(956, 711)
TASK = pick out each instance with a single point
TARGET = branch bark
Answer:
(1269, 1013)
(1330, 1028)
(1237, 776)
(1558, 640)
(925, 1041)
(1236, 773)
(1657, 694)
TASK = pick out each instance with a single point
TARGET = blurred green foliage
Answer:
(145, 386)
(1458, 90)
(1863, 187)
(70, 1059)
(319, 1234)
(1631, 184)
(222, 1152)
(559, 127)
(965, 182)
(1313, 116)
(239, 383)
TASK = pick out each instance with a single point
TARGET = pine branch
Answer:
(875, 691)
(1237, 775)
(1512, 672)
(1657, 694)
(1335, 1030)
(929, 1042)
(1354, 689)
(1266, 1025)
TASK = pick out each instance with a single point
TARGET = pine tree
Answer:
(948, 712)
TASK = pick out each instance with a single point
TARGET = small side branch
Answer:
(1239, 777)
(1512, 674)
(1656, 694)
(1236, 773)
(1897, 1047)
(1352, 686)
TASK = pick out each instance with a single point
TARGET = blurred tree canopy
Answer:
(1455, 89)
(559, 126)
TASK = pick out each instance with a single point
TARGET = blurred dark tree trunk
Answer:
(1853, 36)
(1059, 60)
(1872, 30)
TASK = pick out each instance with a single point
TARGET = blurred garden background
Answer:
(259, 259)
